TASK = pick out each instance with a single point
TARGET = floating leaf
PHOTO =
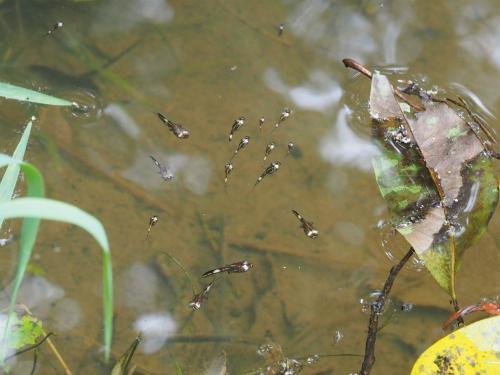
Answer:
(26, 95)
(436, 177)
(470, 350)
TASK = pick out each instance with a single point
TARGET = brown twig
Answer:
(353, 64)
(376, 310)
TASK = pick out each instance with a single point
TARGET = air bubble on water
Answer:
(389, 255)
(407, 307)
(417, 264)
(312, 359)
(264, 349)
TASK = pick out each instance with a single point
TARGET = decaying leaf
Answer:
(436, 177)
(121, 367)
(473, 349)
(25, 331)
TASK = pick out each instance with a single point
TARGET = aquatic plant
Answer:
(13, 92)
(435, 173)
(35, 207)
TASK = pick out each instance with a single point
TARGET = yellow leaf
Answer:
(474, 349)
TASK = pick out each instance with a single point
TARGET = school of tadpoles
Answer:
(182, 133)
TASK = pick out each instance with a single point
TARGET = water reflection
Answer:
(123, 120)
(47, 302)
(132, 13)
(155, 329)
(138, 287)
(320, 93)
(341, 146)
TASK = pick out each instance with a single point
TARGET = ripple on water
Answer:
(87, 105)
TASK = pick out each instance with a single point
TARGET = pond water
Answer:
(204, 64)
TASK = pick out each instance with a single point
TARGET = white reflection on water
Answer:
(479, 29)
(139, 287)
(67, 314)
(320, 93)
(341, 146)
(155, 329)
(131, 13)
(46, 301)
(349, 233)
(123, 120)
(193, 172)
(357, 30)
(38, 292)
(13, 337)
(342, 31)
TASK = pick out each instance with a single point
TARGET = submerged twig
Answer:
(35, 360)
(376, 310)
(34, 346)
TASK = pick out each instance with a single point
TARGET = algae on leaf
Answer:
(436, 177)
(472, 349)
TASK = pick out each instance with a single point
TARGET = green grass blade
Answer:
(9, 179)
(9, 91)
(48, 209)
(29, 231)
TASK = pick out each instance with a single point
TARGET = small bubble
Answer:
(407, 307)
(312, 359)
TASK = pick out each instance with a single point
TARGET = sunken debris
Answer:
(228, 170)
(284, 115)
(237, 124)
(164, 172)
(269, 148)
(198, 299)
(152, 222)
(273, 167)
(177, 129)
(238, 267)
(307, 226)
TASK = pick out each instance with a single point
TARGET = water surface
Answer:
(205, 63)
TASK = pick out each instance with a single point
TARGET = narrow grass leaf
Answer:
(9, 91)
(29, 231)
(9, 179)
(121, 367)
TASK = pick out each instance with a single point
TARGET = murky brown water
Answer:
(204, 63)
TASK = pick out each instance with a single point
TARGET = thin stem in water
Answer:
(376, 310)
